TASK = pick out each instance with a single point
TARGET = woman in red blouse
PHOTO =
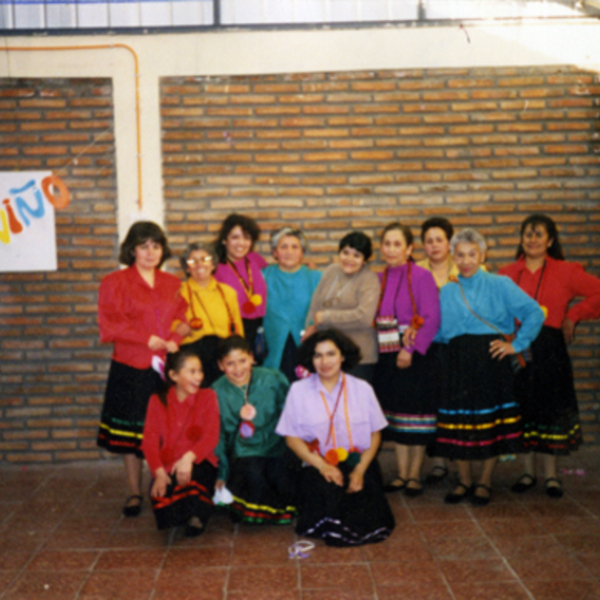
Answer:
(545, 388)
(136, 309)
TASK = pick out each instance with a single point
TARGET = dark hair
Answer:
(350, 351)
(174, 362)
(535, 220)
(439, 222)
(248, 226)
(359, 241)
(233, 342)
(139, 233)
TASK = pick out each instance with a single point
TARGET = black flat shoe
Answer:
(481, 500)
(454, 498)
(133, 510)
(194, 528)
(395, 486)
(437, 474)
(554, 491)
(524, 483)
(413, 492)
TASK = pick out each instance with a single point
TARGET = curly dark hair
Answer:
(174, 362)
(358, 241)
(139, 233)
(350, 351)
(248, 226)
(539, 220)
(233, 342)
(439, 222)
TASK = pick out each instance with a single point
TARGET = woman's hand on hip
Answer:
(404, 359)
(499, 349)
(568, 329)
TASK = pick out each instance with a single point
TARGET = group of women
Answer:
(438, 357)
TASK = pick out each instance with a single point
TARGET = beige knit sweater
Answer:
(349, 303)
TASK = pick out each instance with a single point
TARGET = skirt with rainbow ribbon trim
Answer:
(479, 417)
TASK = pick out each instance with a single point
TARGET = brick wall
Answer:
(338, 151)
(329, 152)
(52, 369)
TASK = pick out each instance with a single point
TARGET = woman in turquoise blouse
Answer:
(479, 418)
(290, 285)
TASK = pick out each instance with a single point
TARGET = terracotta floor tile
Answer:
(251, 595)
(456, 548)
(219, 556)
(139, 539)
(78, 540)
(407, 551)
(565, 590)
(583, 543)
(323, 555)
(130, 559)
(476, 571)
(259, 554)
(516, 526)
(500, 511)
(6, 578)
(563, 507)
(263, 579)
(330, 594)
(414, 591)
(489, 591)
(548, 569)
(528, 545)
(591, 563)
(58, 585)
(441, 513)
(126, 584)
(567, 524)
(15, 559)
(401, 572)
(355, 578)
(436, 529)
(78, 560)
(198, 584)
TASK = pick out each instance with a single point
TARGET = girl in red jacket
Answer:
(180, 435)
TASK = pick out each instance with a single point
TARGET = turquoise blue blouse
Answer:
(495, 298)
(289, 296)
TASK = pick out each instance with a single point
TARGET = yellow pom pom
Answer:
(342, 454)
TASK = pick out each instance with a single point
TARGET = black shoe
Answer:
(396, 485)
(133, 510)
(454, 498)
(554, 491)
(481, 500)
(438, 473)
(194, 528)
(524, 483)
(413, 492)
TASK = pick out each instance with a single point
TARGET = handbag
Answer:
(517, 361)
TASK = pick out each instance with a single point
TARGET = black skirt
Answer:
(128, 391)
(206, 350)
(263, 490)
(328, 512)
(479, 417)
(546, 392)
(181, 502)
(409, 397)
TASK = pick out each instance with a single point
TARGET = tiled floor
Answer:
(62, 537)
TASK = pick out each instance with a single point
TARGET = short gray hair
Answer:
(289, 231)
(468, 236)
(208, 248)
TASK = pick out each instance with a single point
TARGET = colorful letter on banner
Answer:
(27, 228)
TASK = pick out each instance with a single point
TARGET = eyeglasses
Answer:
(192, 262)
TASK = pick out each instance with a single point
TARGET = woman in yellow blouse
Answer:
(213, 312)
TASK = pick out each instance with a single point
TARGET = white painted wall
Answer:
(569, 42)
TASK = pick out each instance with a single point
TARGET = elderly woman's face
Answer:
(351, 260)
(200, 266)
(394, 250)
(468, 258)
(288, 253)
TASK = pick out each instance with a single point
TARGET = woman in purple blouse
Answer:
(406, 381)
(240, 268)
(332, 422)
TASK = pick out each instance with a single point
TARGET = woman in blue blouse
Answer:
(479, 418)
(291, 285)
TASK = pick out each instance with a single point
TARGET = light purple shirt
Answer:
(396, 302)
(305, 416)
(225, 274)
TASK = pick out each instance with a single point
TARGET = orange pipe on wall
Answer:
(137, 90)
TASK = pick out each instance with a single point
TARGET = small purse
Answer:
(388, 334)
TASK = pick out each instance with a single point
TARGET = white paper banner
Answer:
(27, 228)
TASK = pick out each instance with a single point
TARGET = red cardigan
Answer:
(130, 311)
(561, 282)
(171, 431)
